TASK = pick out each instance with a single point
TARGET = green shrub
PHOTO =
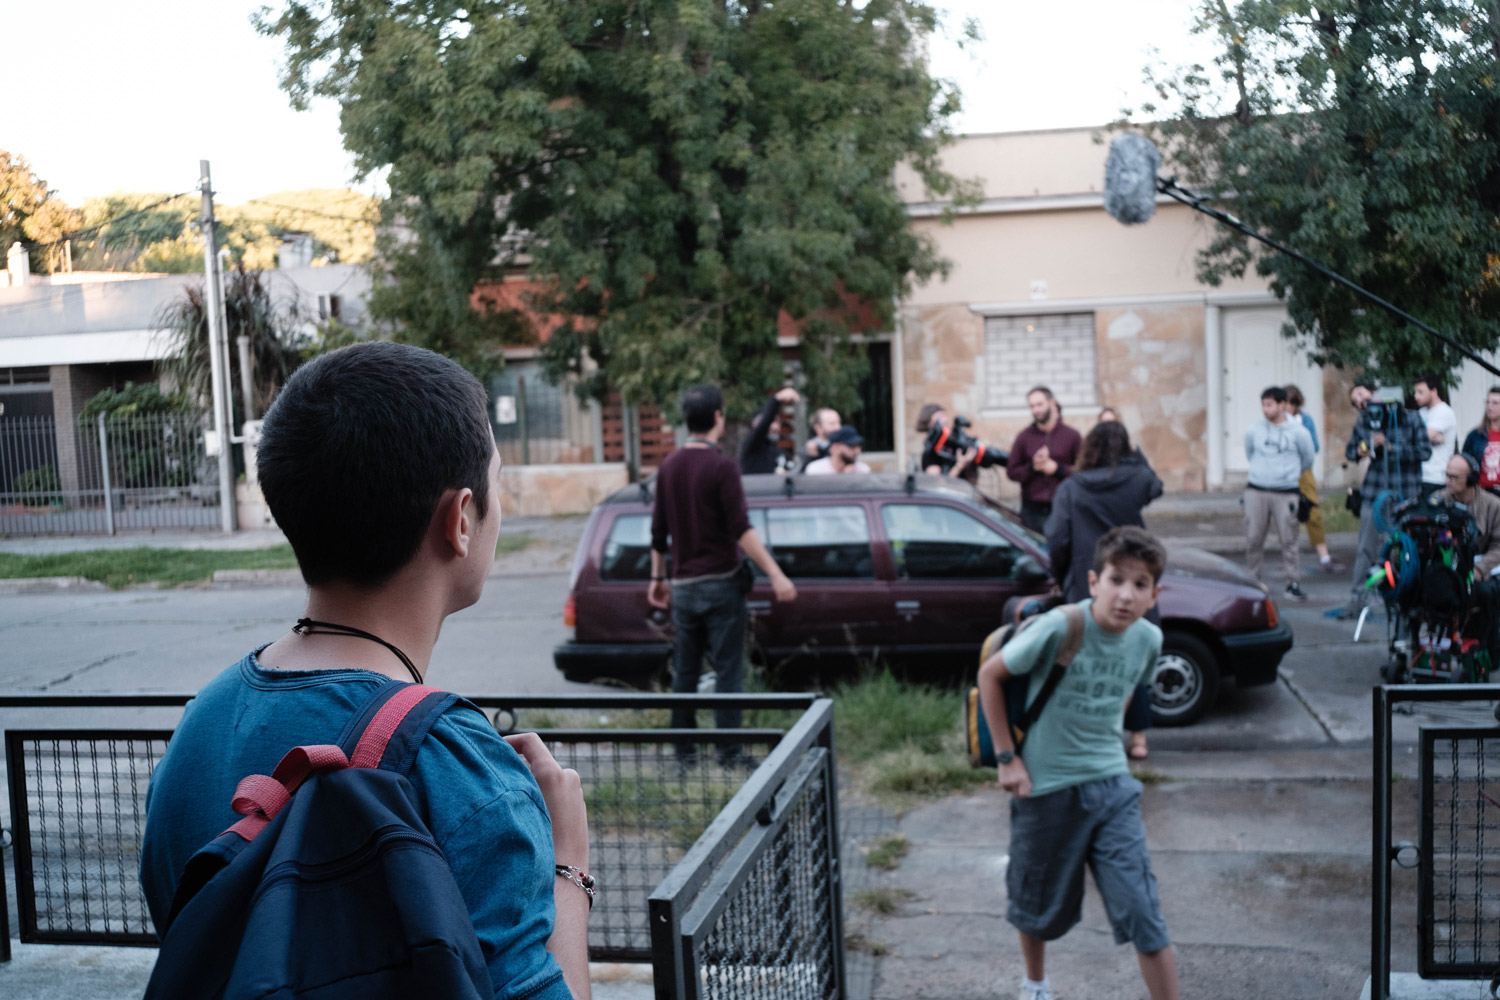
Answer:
(34, 483)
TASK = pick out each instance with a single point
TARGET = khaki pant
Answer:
(1264, 508)
(1309, 488)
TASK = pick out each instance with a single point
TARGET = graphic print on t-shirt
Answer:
(1489, 469)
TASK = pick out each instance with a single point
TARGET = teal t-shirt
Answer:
(477, 794)
(1079, 736)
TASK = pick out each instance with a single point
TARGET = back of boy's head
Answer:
(1120, 544)
(699, 404)
(358, 448)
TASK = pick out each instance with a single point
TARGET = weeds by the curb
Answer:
(887, 852)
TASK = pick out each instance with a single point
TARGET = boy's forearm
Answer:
(569, 943)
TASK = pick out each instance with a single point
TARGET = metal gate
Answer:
(115, 473)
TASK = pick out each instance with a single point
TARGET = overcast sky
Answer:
(130, 96)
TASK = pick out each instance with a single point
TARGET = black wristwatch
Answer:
(1004, 756)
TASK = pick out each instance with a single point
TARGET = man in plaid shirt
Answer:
(1396, 453)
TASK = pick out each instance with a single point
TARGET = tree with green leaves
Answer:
(675, 173)
(1366, 135)
(32, 215)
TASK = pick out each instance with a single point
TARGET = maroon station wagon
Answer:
(913, 569)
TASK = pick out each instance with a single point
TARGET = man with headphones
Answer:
(1462, 486)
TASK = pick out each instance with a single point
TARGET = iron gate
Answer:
(112, 473)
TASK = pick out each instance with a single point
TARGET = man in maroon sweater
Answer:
(700, 507)
(1042, 457)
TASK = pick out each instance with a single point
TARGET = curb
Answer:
(48, 585)
(257, 577)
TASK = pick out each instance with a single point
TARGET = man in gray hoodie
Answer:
(1278, 450)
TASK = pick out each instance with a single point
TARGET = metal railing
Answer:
(667, 807)
(111, 473)
(755, 908)
(1457, 850)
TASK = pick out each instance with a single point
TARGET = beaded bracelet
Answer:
(580, 878)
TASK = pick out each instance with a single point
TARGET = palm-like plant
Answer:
(277, 332)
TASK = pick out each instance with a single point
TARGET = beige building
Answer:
(1047, 288)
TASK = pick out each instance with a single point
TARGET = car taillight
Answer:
(570, 611)
(1270, 613)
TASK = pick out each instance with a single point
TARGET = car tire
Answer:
(1185, 683)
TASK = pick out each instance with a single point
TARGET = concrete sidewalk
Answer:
(1263, 868)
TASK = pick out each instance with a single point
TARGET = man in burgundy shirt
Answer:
(700, 507)
(1042, 457)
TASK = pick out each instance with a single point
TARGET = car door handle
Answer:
(908, 609)
(758, 607)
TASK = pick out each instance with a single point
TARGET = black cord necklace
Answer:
(306, 626)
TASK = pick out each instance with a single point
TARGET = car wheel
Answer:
(1185, 683)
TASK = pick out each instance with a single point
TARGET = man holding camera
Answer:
(1395, 441)
(1042, 457)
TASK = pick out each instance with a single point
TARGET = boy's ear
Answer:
(1093, 583)
(457, 519)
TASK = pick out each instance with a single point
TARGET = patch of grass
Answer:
(1146, 776)
(510, 544)
(882, 901)
(861, 942)
(1336, 516)
(882, 713)
(594, 718)
(648, 804)
(887, 852)
(913, 773)
(122, 567)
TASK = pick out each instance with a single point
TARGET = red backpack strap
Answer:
(384, 733)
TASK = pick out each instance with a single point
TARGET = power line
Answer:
(85, 233)
(310, 211)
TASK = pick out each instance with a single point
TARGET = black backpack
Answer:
(331, 886)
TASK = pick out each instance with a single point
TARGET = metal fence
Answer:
(1457, 850)
(755, 908)
(78, 812)
(111, 473)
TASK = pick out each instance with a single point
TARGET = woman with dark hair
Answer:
(1108, 489)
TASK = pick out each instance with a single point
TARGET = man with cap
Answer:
(843, 454)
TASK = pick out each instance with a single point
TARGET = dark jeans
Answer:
(710, 617)
(1034, 514)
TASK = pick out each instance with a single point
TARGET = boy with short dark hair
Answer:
(1075, 802)
(378, 462)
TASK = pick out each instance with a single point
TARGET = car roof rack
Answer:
(790, 486)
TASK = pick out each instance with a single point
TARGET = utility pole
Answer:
(217, 345)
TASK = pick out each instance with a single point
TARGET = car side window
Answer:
(627, 551)
(933, 542)
(817, 542)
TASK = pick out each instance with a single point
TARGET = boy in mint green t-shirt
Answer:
(1075, 804)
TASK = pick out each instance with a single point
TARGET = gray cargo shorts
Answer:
(1052, 838)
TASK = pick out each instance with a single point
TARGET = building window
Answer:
(876, 392)
(1055, 350)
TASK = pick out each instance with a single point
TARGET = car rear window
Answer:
(931, 541)
(627, 551)
(817, 542)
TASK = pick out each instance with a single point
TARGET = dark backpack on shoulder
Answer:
(1021, 716)
(331, 886)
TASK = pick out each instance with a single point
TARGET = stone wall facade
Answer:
(1150, 367)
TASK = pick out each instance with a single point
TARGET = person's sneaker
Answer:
(1294, 590)
(1036, 991)
(1331, 567)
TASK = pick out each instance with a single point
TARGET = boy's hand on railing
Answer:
(1014, 778)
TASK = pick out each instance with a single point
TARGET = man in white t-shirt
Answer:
(844, 445)
(1442, 430)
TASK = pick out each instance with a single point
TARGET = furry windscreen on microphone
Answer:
(1130, 178)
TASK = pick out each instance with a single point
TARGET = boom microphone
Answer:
(1130, 178)
(1130, 187)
